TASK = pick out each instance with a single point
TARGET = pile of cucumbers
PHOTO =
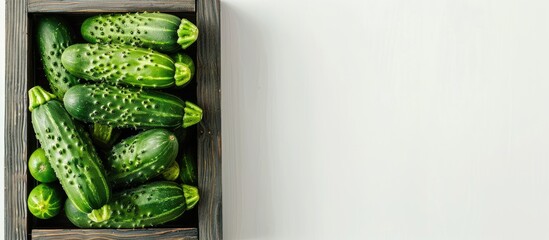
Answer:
(112, 140)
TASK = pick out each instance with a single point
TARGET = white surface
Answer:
(393, 119)
(423, 119)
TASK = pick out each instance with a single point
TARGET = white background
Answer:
(385, 119)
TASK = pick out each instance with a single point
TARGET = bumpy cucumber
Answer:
(141, 157)
(70, 152)
(122, 64)
(129, 107)
(148, 205)
(53, 38)
(160, 31)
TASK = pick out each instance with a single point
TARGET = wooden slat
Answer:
(209, 140)
(16, 120)
(111, 6)
(153, 233)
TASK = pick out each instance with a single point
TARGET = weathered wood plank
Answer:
(16, 120)
(111, 6)
(152, 233)
(209, 140)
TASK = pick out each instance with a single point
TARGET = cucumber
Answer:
(53, 38)
(104, 136)
(141, 157)
(129, 107)
(70, 153)
(148, 205)
(186, 65)
(160, 31)
(122, 64)
(171, 172)
(40, 167)
(187, 170)
(45, 201)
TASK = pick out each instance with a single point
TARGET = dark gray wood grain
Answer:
(153, 233)
(16, 120)
(111, 6)
(209, 140)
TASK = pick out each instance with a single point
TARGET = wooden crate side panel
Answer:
(17, 83)
(153, 233)
(16, 120)
(111, 6)
(209, 140)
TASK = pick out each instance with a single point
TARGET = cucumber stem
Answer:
(39, 96)
(191, 196)
(187, 33)
(172, 172)
(100, 215)
(193, 114)
(184, 69)
(182, 74)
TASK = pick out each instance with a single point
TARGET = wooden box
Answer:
(22, 74)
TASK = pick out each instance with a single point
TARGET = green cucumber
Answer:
(141, 157)
(187, 169)
(160, 31)
(104, 136)
(70, 152)
(148, 205)
(53, 38)
(40, 167)
(45, 201)
(172, 172)
(186, 65)
(129, 107)
(122, 64)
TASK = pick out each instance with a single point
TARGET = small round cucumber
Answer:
(45, 201)
(40, 168)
